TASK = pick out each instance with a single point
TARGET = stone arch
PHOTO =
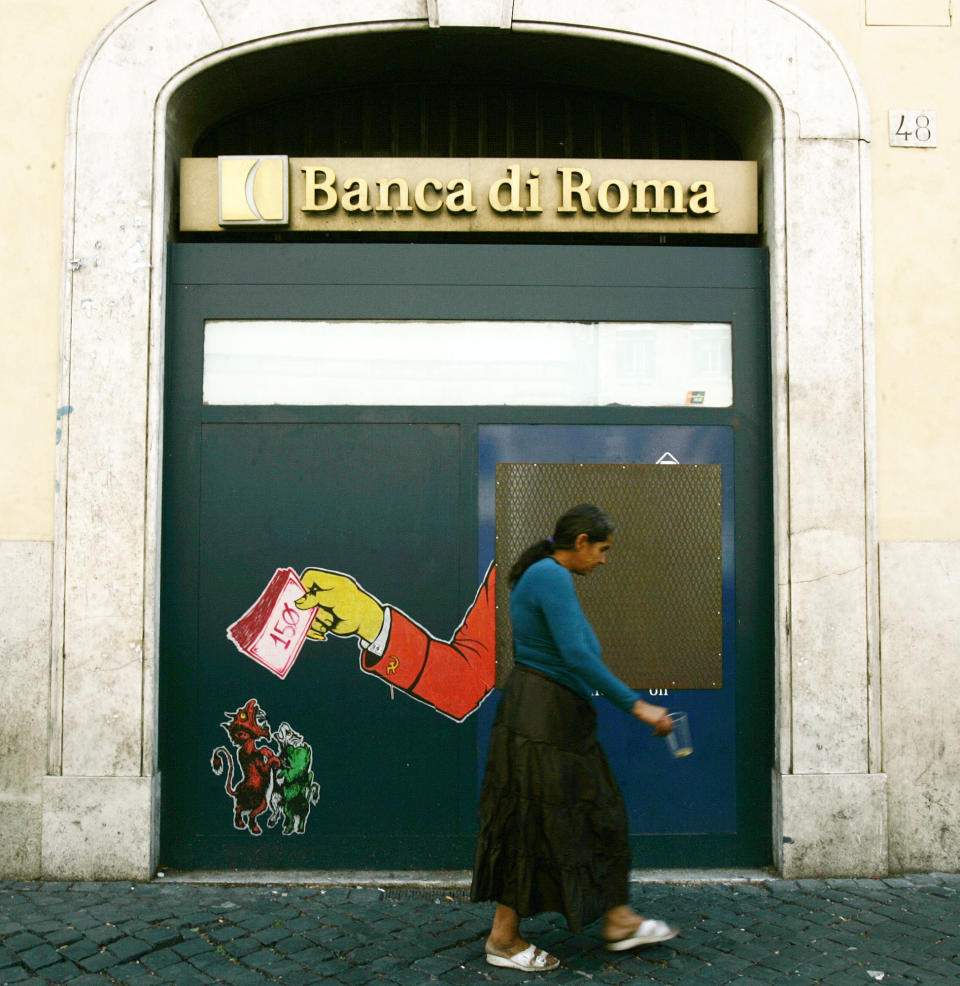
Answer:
(125, 123)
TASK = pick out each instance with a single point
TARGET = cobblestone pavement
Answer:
(836, 932)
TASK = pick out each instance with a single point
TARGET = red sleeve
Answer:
(453, 676)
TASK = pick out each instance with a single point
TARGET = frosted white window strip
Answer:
(435, 363)
(665, 364)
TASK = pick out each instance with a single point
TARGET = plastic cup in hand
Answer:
(678, 740)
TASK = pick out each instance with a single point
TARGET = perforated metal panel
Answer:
(656, 604)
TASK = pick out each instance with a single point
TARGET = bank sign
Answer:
(468, 195)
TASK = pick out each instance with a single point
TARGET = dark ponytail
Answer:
(582, 519)
(542, 549)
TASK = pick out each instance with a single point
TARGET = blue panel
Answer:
(692, 795)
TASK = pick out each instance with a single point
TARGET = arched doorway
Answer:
(799, 125)
(418, 548)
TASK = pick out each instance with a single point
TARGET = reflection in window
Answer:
(420, 363)
(637, 354)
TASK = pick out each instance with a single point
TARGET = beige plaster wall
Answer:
(921, 607)
(44, 42)
(43, 45)
(916, 249)
(24, 659)
(916, 252)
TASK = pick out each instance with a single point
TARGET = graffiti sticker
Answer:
(452, 676)
(273, 771)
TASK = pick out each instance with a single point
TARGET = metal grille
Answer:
(656, 606)
(448, 120)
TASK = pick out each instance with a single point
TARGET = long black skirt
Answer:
(553, 826)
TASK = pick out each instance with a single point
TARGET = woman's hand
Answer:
(653, 715)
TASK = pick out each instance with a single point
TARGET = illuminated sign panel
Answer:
(468, 195)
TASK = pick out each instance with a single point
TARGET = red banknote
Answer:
(273, 630)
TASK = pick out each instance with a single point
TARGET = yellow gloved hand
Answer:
(344, 608)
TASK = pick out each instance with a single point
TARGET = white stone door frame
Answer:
(101, 791)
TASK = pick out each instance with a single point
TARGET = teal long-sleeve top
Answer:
(551, 634)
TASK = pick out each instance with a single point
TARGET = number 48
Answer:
(913, 128)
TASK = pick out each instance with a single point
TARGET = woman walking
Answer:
(553, 826)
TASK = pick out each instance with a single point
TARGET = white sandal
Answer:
(531, 959)
(648, 932)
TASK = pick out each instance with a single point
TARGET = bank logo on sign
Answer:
(253, 190)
